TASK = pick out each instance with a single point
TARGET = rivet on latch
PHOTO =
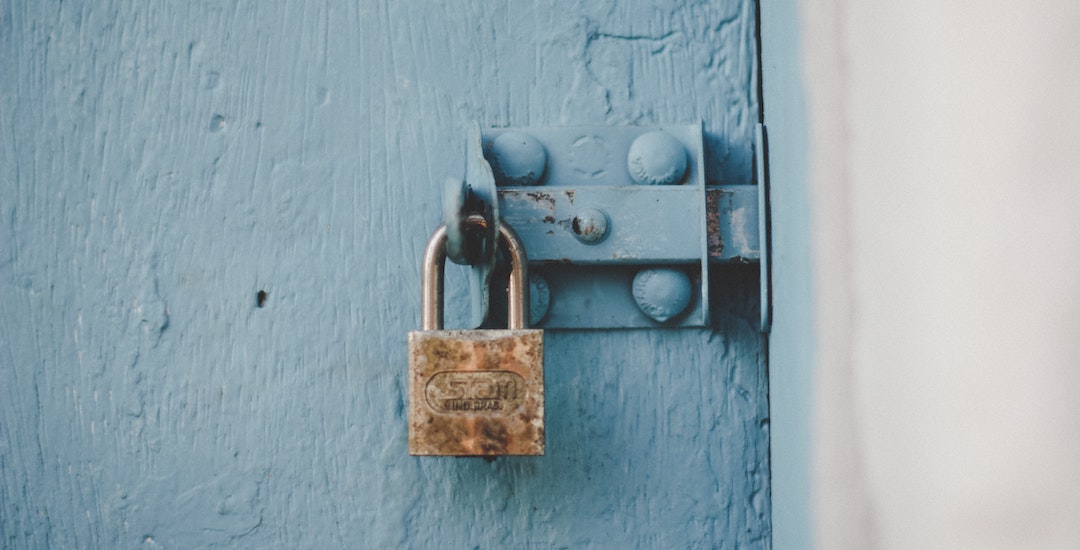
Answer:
(662, 293)
(517, 159)
(539, 298)
(590, 225)
(657, 158)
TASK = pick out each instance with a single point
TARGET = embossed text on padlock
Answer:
(476, 392)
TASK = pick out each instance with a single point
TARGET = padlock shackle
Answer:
(431, 297)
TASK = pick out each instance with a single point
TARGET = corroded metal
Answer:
(476, 392)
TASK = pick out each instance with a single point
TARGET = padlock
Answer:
(476, 392)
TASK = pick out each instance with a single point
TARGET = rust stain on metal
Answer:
(476, 392)
(543, 200)
(712, 223)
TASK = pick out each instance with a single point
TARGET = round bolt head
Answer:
(539, 298)
(517, 159)
(657, 158)
(590, 225)
(662, 293)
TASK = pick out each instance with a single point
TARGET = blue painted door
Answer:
(212, 216)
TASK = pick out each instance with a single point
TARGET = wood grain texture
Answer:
(162, 163)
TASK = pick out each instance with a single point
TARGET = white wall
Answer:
(946, 193)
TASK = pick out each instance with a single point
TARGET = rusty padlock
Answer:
(476, 392)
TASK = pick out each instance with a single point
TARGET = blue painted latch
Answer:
(617, 222)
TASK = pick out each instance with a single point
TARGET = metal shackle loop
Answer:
(431, 297)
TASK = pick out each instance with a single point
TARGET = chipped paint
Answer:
(712, 223)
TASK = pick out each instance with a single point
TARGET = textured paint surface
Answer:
(164, 164)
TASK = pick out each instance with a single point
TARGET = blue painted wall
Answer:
(161, 163)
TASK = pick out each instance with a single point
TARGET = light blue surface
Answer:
(587, 169)
(517, 159)
(662, 293)
(656, 158)
(161, 163)
(791, 342)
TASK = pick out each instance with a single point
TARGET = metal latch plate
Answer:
(615, 237)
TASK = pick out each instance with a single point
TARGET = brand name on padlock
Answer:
(474, 391)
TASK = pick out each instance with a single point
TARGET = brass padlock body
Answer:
(476, 392)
